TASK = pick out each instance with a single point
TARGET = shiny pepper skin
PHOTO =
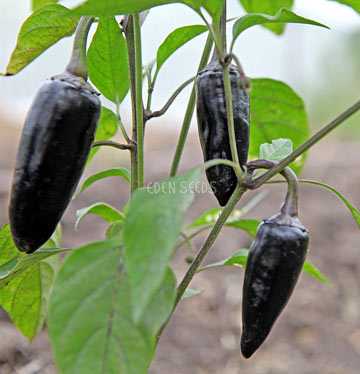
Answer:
(213, 128)
(56, 140)
(273, 267)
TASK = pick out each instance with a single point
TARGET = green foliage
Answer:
(276, 112)
(157, 213)
(355, 4)
(270, 7)
(107, 128)
(38, 3)
(118, 172)
(90, 322)
(107, 61)
(175, 40)
(103, 9)
(105, 211)
(39, 32)
(25, 282)
(283, 16)
(277, 150)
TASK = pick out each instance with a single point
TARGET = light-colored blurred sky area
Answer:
(322, 65)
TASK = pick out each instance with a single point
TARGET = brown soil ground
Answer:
(319, 331)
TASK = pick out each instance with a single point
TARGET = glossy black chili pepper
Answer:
(213, 127)
(55, 143)
(273, 267)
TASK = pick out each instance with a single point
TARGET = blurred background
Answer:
(319, 332)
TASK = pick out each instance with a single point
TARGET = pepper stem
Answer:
(77, 65)
(290, 205)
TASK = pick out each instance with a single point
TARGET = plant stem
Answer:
(111, 143)
(308, 144)
(139, 103)
(162, 111)
(130, 42)
(205, 248)
(230, 116)
(121, 125)
(77, 65)
(290, 206)
(189, 112)
(228, 96)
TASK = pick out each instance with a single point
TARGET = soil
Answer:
(318, 332)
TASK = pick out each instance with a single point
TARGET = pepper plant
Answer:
(107, 304)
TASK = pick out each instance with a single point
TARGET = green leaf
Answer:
(116, 7)
(107, 61)
(175, 40)
(152, 226)
(315, 272)
(353, 210)
(25, 296)
(248, 225)
(209, 218)
(277, 150)
(107, 128)
(103, 210)
(355, 4)
(270, 7)
(284, 16)
(239, 258)
(277, 112)
(39, 32)
(38, 3)
(160, 307)
(190, 293)
(90, 323)
(18, 264)
(114, 229)
(119, 172)
(8, 249)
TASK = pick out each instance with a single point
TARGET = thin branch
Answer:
(162, 111)
(111, 143)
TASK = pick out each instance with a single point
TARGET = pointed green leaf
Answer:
(25, 296)
(207, 218)
(175, 40)
(114, 229)
(270, 7)
(105, 211)
(355, 4)
(237, 259)
(118, 172)
(151, 229)
(107, 61)
(39, 32)
(116, 7)
(248, 225)
(283, 16)
(276, 111)
(190, 293)
(277, 150)
(107, 128)
(315, 272)
(90, 323)
(38, 3)
(8, 250)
